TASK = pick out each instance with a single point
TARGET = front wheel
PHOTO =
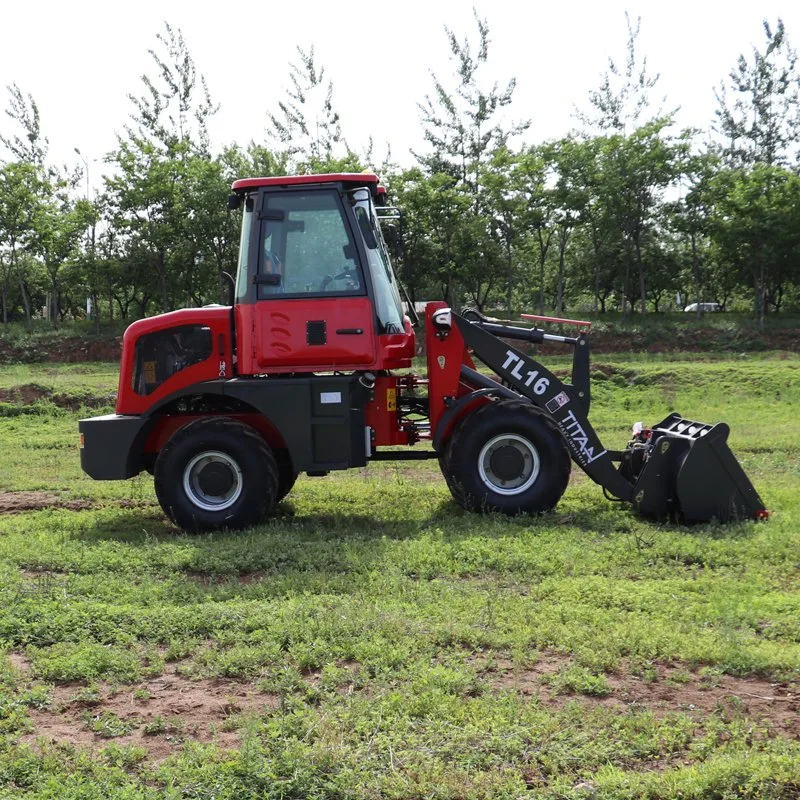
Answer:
(216, 473)
(507, 456)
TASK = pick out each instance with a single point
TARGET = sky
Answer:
(80, 60)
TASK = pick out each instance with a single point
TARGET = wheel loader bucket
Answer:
(693, 476)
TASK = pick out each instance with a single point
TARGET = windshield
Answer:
(388, 307)
(244, 245)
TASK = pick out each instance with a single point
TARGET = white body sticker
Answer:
(330, 397)
(574, 431)
(517, 368)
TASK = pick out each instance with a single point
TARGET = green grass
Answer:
(401, 647)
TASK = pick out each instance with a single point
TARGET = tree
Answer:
(463, 129)
(507, 202)
(21, 190)
(434, 209)
(308, 127)
(60, 226)
(758, 113)
(460, 125)
(757, 226)
(620, 103)
(30, 147)
(599, 237)
(162, 152)
(636, 157)
(690, 218)
(538, 219)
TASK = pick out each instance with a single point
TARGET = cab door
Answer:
(312, 310)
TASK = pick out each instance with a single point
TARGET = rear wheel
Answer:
(216, 473)
(507, 456)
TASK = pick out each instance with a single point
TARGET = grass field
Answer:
(373, 640)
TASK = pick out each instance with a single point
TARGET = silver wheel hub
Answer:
(509, 464)
(213, 480)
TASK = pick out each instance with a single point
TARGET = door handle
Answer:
(349, 331)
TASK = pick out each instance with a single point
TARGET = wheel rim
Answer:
(213, 480)
(509, 464)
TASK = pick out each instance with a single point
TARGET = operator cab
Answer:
(315, 289)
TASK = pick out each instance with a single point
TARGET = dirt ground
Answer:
(29, 393)
(16, 502)
(62, 350)
(668, 689)
(158, 715)
(162, 713)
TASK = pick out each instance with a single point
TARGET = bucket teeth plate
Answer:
(692, 475)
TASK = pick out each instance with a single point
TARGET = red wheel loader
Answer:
(307, 371)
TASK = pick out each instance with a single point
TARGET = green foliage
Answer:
(401, 647)
(588, 222)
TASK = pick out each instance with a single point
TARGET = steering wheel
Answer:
(349, 273)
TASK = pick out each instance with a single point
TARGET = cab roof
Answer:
(369, 179)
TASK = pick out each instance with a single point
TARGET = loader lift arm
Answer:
(567, 405)
(679, 469)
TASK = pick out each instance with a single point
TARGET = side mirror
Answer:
(234, 201)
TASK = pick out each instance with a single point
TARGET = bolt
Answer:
(639, 497)
(581, 394)
(664, 446)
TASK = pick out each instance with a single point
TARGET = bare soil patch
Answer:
(667, 689)
(27, 394)
(16, 502)
(60, 349)
(158, 715)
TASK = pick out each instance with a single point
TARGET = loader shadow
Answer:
(292, 538)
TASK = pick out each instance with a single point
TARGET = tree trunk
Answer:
(162, 280)
(562, 249)
(54, 309)
(696, 272)
(510, 284)
(640, 264)
(96, 310)
(758, 280)
(627, 282)
(26, 303)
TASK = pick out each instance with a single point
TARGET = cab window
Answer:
(162, 354)
(306, 248)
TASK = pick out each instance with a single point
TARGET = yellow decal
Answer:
(391, 399)
(149, 371)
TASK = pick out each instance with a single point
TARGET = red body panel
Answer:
(358, 178)
(382, 414)
(218, 365)
(273, 338)
(445, 358)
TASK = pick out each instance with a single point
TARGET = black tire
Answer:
(286, 474)
(507, 456)
(216, 473)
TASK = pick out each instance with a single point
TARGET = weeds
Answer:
(396, 647)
